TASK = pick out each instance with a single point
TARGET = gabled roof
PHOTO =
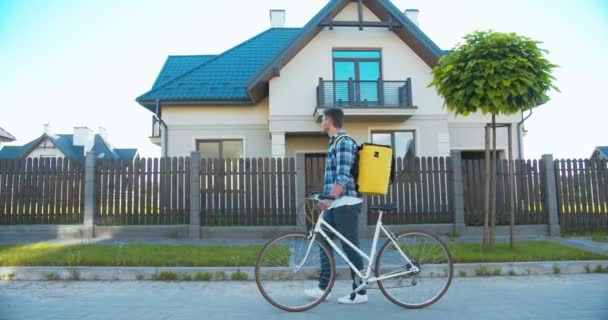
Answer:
(65, 143)
(241, 74)
(419, 42)
(176, 65)
(222, 77)
(16, 152)
(5, 136)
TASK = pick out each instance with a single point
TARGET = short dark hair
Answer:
(336, 115)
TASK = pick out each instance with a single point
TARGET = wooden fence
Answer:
(529, 188)
(248, 192)
(582, 194)
(143, 191)
(422, 191)
(262, 192)
(41, 191)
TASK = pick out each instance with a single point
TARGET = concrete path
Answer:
(581, 297)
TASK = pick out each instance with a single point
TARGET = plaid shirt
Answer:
(338, 164)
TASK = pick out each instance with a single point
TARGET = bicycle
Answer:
(413, 261)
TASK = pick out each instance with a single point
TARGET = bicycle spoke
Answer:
(280, 280)
(417, 289)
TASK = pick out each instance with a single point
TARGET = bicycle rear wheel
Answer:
(421, 289)
(288, 265)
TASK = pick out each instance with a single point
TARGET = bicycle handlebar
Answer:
(318, 197)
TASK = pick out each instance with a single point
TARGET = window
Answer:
(402, 142)
(220, 148)
(364, 68)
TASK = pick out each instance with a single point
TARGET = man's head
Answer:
(333, 118)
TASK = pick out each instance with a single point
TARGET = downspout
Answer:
(166, 133)
(519, 138)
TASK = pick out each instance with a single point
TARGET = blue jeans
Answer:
(344, 219)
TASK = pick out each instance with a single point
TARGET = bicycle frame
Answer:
(367, 278)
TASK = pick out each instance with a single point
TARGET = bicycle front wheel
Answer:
(290, 265)
(422, 288)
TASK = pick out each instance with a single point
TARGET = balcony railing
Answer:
(351, 93)
(155, 128)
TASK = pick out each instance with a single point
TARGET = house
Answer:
(5, 136)
(74, 145)
(600, 153)
(265, 96)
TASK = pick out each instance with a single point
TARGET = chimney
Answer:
(84, 137)
(48, 130)
(277, 18)
(412, 14)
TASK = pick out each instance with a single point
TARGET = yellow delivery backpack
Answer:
(374, 168)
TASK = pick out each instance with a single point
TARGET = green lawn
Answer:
(135, 254)
(524, 251)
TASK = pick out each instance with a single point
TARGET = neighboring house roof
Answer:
(600, 152)
(241, 74)
(5, 136)
(65, 143)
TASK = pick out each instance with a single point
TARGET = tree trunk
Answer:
(511, 191)
(486, 207)
(493, 179)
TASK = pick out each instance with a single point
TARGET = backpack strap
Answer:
(354, 169)
(340, 137)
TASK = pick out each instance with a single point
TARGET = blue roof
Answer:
(126, 153)
(176, 65)
(603, 150)
(65, 143)
(11, 152)
(223, 77)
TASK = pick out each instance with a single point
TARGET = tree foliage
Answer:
(493, 72)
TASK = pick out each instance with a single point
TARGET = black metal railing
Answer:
(155, 127)
(354, 93)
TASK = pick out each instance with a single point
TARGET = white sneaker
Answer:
(314, 293)
(353, 299)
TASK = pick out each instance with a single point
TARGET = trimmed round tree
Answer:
(494, 73)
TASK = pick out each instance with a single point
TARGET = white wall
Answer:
(189, 123)
(430, 134)
(293, 93)
(351, 13)
(293, 96)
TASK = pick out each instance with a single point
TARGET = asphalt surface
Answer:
(580, 297)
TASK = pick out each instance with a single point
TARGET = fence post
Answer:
(89, 194)
(194, 229)
(300, 191)
(457, 192)
(551, 195)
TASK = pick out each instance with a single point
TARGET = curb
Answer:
(148, 273)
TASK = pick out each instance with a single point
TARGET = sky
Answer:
(82, 62)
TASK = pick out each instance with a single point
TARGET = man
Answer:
(339, 183)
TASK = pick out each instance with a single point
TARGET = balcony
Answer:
(155, 137)
(366, 100)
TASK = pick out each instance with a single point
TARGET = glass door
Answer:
(364, 69)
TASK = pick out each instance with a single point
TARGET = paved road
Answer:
(578, 297)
